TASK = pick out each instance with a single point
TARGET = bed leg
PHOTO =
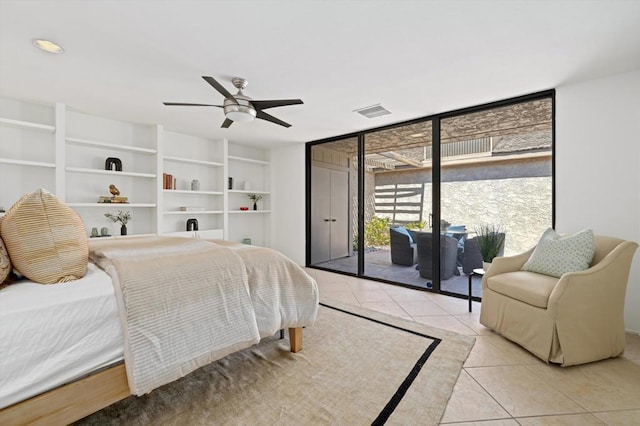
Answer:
(295, 339)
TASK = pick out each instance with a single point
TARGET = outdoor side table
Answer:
(480, 272)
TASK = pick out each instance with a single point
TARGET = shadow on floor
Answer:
(378, 265)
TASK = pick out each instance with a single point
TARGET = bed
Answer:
(70, 345)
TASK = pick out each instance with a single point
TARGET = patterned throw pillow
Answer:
(556, 255)
(45, 239)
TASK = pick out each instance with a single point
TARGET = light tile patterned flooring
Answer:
(501, 383)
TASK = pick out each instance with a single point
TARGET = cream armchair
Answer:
(574, 319)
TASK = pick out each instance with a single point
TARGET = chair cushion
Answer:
(46, 240)
(459, 232)
(404, 231)
(556, 255)
(528, 287)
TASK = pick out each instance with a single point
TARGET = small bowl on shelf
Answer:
(244, 208)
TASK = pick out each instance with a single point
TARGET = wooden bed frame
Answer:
(78, 399)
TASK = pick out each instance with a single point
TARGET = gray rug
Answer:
(358, 367)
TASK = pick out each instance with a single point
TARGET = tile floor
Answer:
(502, 384)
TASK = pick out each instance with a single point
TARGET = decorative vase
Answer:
(486, 265)
(195, 185)
(123, 230)
(255, 206)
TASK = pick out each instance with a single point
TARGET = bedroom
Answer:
(588, 54)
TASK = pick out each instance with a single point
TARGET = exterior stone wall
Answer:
(514, 194)
(522, 206)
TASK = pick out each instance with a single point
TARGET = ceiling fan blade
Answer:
(219, 87)
(275, 103)
(264, 116)
(183, 104)
(226, 123)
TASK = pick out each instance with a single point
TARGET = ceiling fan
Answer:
(240, 107)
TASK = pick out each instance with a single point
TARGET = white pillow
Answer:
(556, 255)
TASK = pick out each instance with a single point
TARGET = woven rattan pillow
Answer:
(45, 239)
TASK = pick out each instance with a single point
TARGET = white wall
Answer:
(288, 201)
(598, 163)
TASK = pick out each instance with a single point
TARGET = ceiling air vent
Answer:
(372, 111)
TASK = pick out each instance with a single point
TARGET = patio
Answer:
(378, 265)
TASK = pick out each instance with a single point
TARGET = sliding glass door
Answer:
(410, 203)
(398, 204)
(496, 180)
(334, 197)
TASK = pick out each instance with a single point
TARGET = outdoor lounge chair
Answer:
(471, 257)
(448, 256)
(403, 246)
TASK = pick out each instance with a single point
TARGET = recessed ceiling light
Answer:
(47, 46)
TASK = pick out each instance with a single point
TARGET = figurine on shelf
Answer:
(113, 164)
(115, 196)
(114, 190)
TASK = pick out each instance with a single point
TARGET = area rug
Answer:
(358, 367)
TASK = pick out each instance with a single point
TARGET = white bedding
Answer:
(53, 334)
(65, 332)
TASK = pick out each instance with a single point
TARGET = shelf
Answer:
(248, 160)
(111, 145)
(187, 191)
(109, 172)
(191, 161)
(27, 125)
(27, 163)
(102, 205)
(202, 233)
(193, 212)
(247, 191)
(248, 211)
(115, 237)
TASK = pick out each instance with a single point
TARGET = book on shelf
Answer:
(113, 199)
(168, 181)
(191, 209)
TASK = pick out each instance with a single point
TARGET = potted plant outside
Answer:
(121, 217)
(490, 241)
(255, 198)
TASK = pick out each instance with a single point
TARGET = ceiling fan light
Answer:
(240, 113)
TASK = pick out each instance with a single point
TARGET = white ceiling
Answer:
(124, 58)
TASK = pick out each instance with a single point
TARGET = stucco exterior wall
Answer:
(515, 194)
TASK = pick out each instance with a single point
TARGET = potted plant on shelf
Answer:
(121, 217)
(255, 198)
(490, 241)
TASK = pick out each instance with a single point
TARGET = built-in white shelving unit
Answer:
(109, 172)
(250, 169)
(192, 161)
(64, 150)
(27, 125)
(27, 163)
(110, 145)
(27, 149)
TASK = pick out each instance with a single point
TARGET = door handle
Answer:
(333, 220)
(326, 220)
